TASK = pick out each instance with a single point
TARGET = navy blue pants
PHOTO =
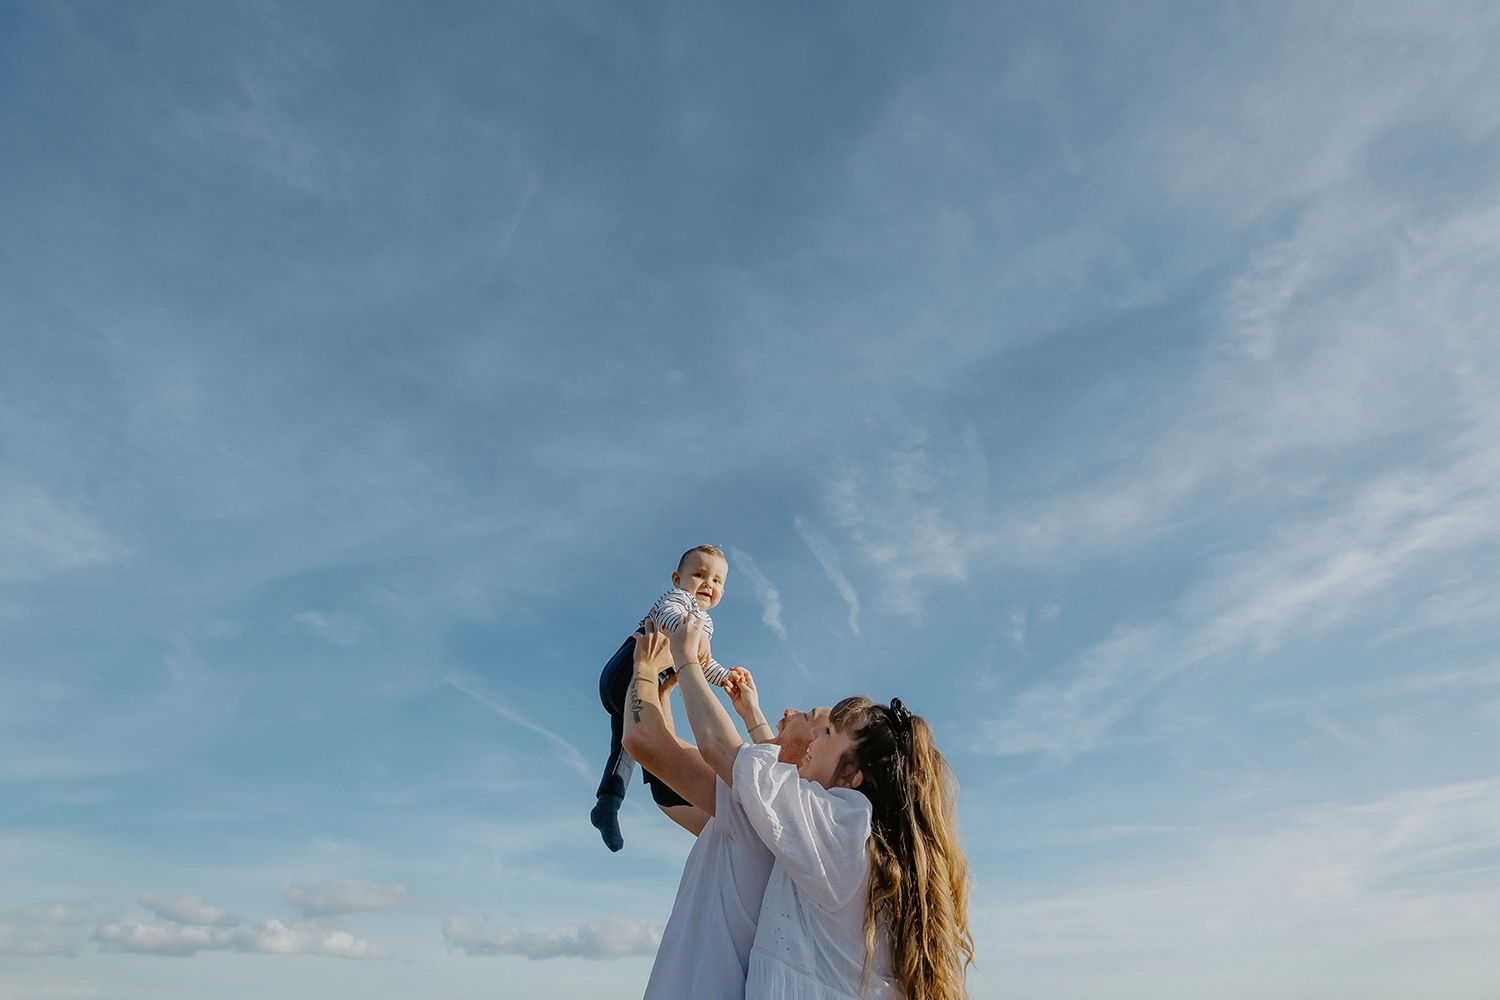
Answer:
(614, 686)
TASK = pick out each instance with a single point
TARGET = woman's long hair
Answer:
(919, 878)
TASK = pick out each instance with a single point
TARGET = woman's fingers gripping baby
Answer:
(652, 651)
(652, 648)
(740, 686)
(687, 640)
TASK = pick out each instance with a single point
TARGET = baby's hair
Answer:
(712, 550)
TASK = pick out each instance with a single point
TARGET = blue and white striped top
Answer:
(668, 612)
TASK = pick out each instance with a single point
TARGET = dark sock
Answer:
(606, 819)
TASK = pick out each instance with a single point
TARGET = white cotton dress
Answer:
(810, 944)
(705, 948)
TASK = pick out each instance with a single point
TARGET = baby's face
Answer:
(702, 575)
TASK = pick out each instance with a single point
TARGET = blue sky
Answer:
(1115, 387)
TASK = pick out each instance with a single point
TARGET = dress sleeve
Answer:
(819, 835)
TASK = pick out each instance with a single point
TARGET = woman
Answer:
(705, 947)
(869, 893)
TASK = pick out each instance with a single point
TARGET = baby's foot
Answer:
(606, 819)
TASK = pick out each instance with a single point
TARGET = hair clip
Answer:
(900, 716)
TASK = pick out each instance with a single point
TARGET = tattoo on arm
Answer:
(636, 704)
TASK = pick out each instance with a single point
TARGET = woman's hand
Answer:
(652, 649)
(740, 687)
(687, 641)
(664, 688)
(746, 700)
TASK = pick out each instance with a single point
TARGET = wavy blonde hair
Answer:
(919, 878)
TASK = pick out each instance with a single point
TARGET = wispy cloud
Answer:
(1343, 877)
(1310, 578)
(336, 897)
(765, 591)
(341, 630)
(34, 931)
(828, 558)
(41, 534)
(611, 937)
(1401, 522)
(1017, 621)
(570, 753)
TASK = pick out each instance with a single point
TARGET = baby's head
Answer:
(701, 572)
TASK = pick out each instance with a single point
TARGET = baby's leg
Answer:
(614, 682)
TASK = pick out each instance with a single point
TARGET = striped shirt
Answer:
(668, 612)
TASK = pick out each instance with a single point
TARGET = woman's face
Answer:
(825, 747)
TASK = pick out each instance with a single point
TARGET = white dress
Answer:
(810, 944)
(705, 948)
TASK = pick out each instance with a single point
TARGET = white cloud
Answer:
(188, 909)
(148, 939)
(334, 897)
(271, 938)
(570, 754)
(765, 591)
(611, 937)
(341, 630)
(829, 560)
(274, 938)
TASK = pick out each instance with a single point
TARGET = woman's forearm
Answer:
(647, 733)
(718, 740)
(649, 740)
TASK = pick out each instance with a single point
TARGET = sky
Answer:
(1116, 386)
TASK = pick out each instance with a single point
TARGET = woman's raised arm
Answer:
(648, 734)
(718, 740)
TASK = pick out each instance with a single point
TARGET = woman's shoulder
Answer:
(850, 799)
(759, 774)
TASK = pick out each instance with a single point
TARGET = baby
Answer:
(697, 586)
